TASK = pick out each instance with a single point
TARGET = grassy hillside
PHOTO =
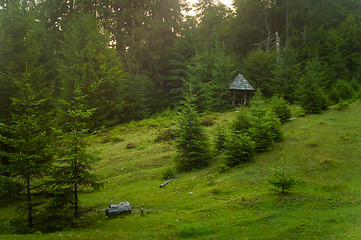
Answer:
(322, 151)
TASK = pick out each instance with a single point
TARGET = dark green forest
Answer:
(135, 58)
(68, 68)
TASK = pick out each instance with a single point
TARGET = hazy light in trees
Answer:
(226, 2)
(191, 2)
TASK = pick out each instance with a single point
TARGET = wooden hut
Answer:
(241, 89)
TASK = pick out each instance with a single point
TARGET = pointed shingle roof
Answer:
(240, 83)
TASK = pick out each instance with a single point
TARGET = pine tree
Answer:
(285, 75)
(28, 153)
(281, 108)
(311, 95)
(243, 122)
(74, 165)
(88, 62)
(192, 143)
(239, 149)
(183, 51)
(208, 76)
(258, 69)
(144, 32)
(20, 48)
(265, 129)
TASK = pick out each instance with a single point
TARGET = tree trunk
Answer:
(30, 206)
(76, 201)
(75, 164)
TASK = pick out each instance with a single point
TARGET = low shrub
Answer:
(342, 90)
(273, 124)
(106, 139)
(342, 104)
(223, 168)
(211, 178)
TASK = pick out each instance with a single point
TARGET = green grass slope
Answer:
(322, 151)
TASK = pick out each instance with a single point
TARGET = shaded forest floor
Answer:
(322, 151)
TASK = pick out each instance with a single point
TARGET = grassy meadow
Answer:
(323, 152)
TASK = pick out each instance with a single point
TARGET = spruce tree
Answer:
(20, 48)
(73, 168)
(243, 121)
(284, 77)
(29, 153)
(258, 68)
(239, 149)
(88, 62)
(281, 108)
(265, 129)
(311, 95)
(192, 143)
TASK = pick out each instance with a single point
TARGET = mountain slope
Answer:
(323, 153)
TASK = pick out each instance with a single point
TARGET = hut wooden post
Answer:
(233, 97)
(245, 98)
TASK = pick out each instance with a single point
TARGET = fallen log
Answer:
(116, 209)
(166, 182)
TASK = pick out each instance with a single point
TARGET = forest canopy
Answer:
(136, 58)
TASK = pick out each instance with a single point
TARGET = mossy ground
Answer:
(322, 151)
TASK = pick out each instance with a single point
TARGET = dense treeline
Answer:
(158, 55)
(69, 66)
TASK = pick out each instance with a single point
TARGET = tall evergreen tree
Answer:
(73, 168)
(20, 48)
(311, 95)
(184, 50)
(29, 153)
(342, 51)
(143, 34)
(258, 67)
(88, 62)
(254, 23)
(24, 104)
(284, 76)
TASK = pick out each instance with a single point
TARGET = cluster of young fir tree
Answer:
(255, 129)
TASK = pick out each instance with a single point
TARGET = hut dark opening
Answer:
(242, 91)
